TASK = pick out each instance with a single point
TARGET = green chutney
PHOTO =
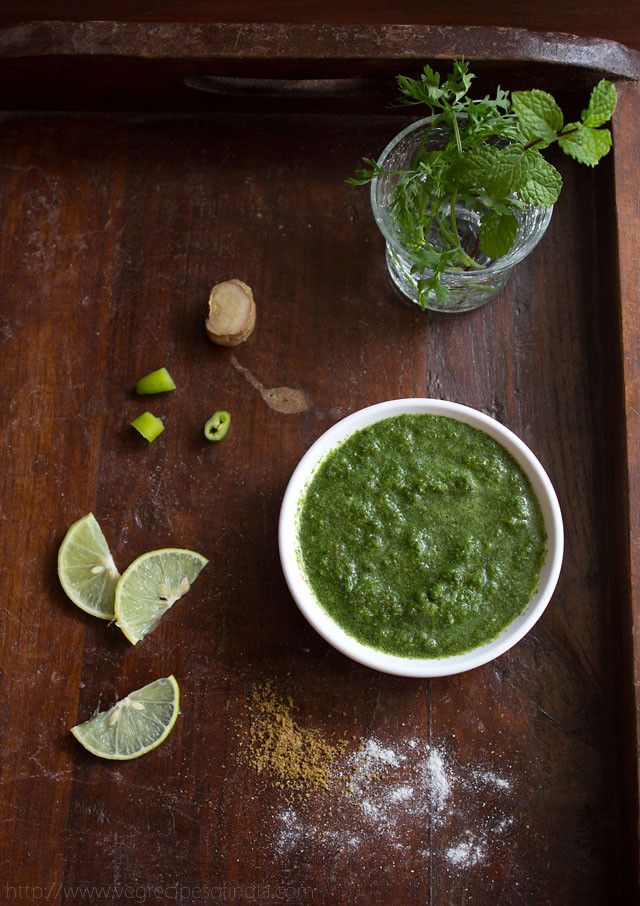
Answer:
(421, 536)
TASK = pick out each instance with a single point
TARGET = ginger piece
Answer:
(232, 313)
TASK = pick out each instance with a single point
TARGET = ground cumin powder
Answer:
(299, 760)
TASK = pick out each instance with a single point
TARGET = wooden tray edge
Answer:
(626, 529)
(155, 41)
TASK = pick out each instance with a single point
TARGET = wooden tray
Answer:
(513, 784)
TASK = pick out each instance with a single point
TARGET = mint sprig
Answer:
(539, 117)
(498, 230)
(586, 144)
(586, 141)
(602, 105)
(490, 161)
(543, 182)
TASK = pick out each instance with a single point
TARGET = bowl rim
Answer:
(320, 619)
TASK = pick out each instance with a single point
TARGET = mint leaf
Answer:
(601, 104)
(585, 144)
(498, 232)
(538, 114)
(510, 172)
(543, 184)
(474, 165)
(501, 171)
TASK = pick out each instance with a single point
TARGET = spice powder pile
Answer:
(300, 760)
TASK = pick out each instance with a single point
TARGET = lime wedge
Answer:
(86, 569)
(151, 585)
(135, 725)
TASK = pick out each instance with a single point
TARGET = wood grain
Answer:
(627, 433)
(88, 39)
(114, 227)
(619, 20)
(158, 66)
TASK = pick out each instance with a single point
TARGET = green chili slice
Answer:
(159, 381)
(148, 425)
(217, 426)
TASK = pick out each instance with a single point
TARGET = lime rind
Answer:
(86, 568)
(151, 585)
(135, 725)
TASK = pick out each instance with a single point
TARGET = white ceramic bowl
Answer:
(330, 630)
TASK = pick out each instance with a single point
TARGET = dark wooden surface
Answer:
(113, 229)
(96, 65)
(626, 539)
(619, 20)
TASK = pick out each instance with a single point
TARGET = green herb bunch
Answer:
(489, 160)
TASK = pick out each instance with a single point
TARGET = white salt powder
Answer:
(438, 785)
(401, 794)
(467, 852)
(388, 789)
(374, 753)
(291, 831)
(475, 848)
(492, 779)
(368, 761)
(370, 810)
(340, 839)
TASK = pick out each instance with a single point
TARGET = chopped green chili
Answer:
(159, 381)
(148, 425)
(217, 426)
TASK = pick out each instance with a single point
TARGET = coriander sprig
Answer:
(489, 159)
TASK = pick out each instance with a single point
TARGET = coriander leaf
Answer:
(543, 184)
(433, 285)
(459, 80)
(441, 291)
(425, 90)
(359, 178)
(426, 258)
(430, 75)
(538, 114)
(365, 175)
(423, 293)
(585, 144)
(502, 99)
(601, 104)
(498, 232)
